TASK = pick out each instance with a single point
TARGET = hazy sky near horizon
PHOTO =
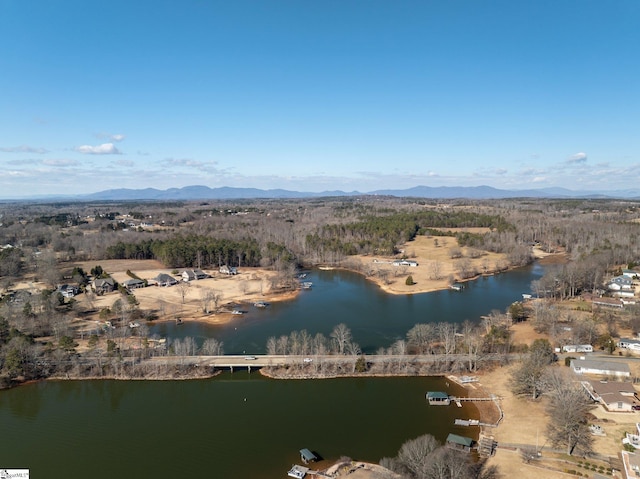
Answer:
(318, 95)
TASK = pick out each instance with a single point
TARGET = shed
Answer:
(307, 456)
(459, 442)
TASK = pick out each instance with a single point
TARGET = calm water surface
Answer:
(240, 425)
(232, 426)
(376, 319)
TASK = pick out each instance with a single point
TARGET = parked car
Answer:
(307, 360)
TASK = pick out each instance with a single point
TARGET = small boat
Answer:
(237, 311)
(456, 287)
(178, 321)
(261, 304)
(306, 284)
(133, 325)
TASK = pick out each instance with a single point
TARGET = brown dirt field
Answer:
(426, 253)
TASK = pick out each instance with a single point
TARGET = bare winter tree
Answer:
(568, 412)
(413, 455)
(272, 346)
(341, 336)
(421, 338)
(183, 289)
(530, 377)
(212, 347)
(435, 270)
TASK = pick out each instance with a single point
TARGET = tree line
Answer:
(192, 250)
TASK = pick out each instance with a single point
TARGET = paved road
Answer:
(262, 360)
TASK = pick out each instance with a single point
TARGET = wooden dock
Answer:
(458, 399)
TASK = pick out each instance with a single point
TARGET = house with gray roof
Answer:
(164, 279)
(600, 367)
(631, 344)
(133, 283)
(103, 285)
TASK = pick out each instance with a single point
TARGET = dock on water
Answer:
(298, 472)
(307, 456)
(438, 398)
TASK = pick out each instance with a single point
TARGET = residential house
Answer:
(405, 262)
(193, 274)
(20, 296)
(67, 290)
(630, 344)
(608, 302)
(103, 285)
(164, 279)
(188, 275)
(620, 283)
(615, 396)
(200, 274)
(601, 368)
(577, 348)
(630, 273)
(631, 462)
(133, 283)
(228, 270)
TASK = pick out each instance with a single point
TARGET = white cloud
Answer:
(61, 162)
(23, 149)
(577, 158)
(204, 166)
(111, 137)
(104, 149)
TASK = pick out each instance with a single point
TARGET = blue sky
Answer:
(318, 95)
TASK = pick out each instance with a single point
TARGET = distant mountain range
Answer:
(199, 192)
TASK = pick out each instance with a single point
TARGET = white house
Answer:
(68, 290)
(601, 368)
(405, 262)
(228, 270)
(577, 348)
(631, 344)
(630, 273)
(188, 275)
(625, 293)
(619, 283)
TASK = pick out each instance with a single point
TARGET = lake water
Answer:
(232, 426)
(376, 319)
(243, 425)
